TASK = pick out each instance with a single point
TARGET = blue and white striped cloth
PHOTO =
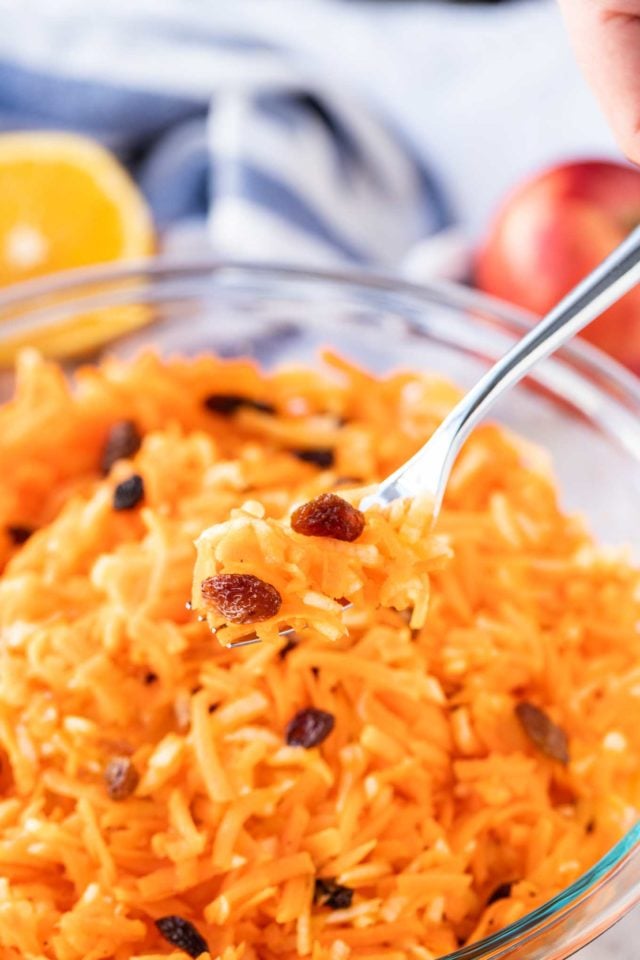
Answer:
(224, 132)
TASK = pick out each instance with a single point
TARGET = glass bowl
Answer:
(580, 405)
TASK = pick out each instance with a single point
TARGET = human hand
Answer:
(606, 37)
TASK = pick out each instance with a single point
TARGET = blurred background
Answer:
(370, 133)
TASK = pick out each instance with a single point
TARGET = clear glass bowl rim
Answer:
(25, 306)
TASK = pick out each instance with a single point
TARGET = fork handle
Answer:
(428, 469)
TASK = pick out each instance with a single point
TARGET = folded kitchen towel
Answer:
(225, 133)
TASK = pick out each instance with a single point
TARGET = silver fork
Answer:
(428, 470)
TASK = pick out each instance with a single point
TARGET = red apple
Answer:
(552, 231)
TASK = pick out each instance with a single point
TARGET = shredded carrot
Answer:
(434, 811)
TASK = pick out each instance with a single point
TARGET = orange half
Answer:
(66, 202)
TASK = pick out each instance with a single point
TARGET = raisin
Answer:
(129, 493)
(241, 597)
(150, 678)
(548, 737)
(18, 534)
(123, 441)
(322, 457)
(328, 516)
(226, 404)
(331, 894)
(501, 892)
(182, 934)
(309, 727)
(121, 778)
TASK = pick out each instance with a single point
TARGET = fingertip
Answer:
(627, 134)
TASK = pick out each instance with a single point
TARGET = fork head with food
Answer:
(320, 568)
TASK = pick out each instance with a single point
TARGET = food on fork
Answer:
(301, 572)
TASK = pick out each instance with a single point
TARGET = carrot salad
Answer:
(447, 739)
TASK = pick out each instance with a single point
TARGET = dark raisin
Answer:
(182, 934)
(19, 534)
(543, 732)
(501, 892)
(150, 678)
(322, 457)
(226, 404)
(331, 894)
(286, 649)
(241, 597)
(129, 493)
(123, 441)
(315, 671)
(212, 707)
(590, 827)
(309, 727)
(328, 516)
(121, 778)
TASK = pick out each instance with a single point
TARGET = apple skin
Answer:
(553, 230)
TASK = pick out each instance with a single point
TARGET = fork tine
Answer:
(285, 632)
(245, 642)
(248, 641)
